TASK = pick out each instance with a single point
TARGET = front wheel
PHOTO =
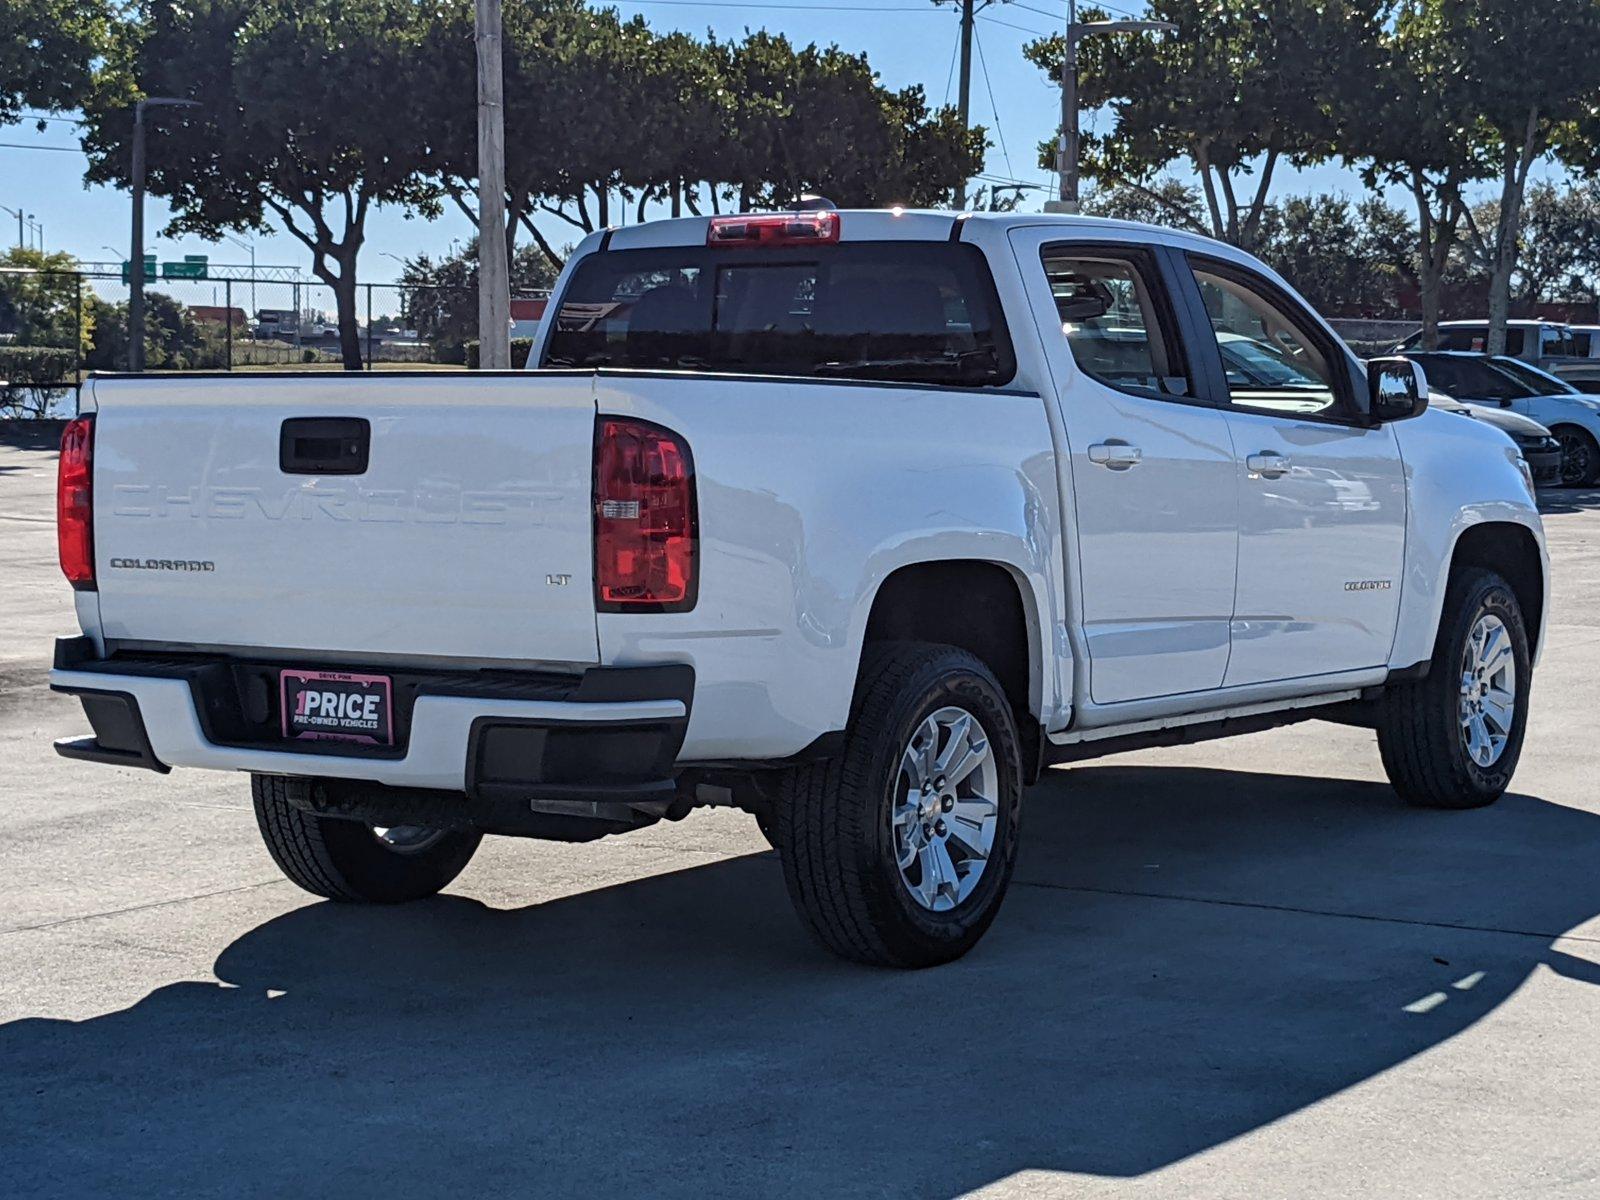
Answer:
(1580, 456)
(1452, 739)
(343, 859)
(898, 851)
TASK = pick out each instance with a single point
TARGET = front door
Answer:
(1153, 486)
(1322, 498)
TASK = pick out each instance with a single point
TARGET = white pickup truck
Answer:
(855, 520)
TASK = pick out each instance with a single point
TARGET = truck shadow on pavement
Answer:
(1187, 956)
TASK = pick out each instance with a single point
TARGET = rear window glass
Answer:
(1469, 378)
(913, 312)
(1476, 338)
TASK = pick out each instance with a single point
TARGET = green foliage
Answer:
(1343, 258)
(520, 349)
(173, 339)
(46, 47)
(310, 110)
(32, 378)
(39, 301)
(441, 298)
(1241, 86)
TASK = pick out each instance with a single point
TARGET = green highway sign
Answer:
(149, 269)
(193, 266)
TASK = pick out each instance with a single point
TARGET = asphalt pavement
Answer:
(1241, 969)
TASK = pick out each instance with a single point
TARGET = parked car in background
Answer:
(1586, 344)
(1538, 446)
(1573, 418)
(1549, 345)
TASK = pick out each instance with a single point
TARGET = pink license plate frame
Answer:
(349, 719)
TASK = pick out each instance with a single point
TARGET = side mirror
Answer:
(1397, 389)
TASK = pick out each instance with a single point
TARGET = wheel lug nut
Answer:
(949, 803)
(939, 828)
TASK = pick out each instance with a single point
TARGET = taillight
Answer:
(75, 503)
(645, 537)
(775, 229)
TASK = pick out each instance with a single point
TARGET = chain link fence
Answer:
(58, 326)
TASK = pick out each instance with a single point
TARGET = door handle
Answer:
(1269, 464)
(1118, 456)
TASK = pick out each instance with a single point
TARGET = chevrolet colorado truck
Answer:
(856, 520)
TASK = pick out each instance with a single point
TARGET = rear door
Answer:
(1154, 491)
(1322, 499)
(465, 532)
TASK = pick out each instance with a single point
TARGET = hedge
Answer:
(38, 366)
(520, 349)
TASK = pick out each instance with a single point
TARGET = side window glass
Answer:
(1273, 361)
(1115, 320)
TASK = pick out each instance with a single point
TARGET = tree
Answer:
(173, 339)
(1241, 87)
(45, 326)
(1526, 86)
(46, 47)
(1162, 201)
(310, 110)
(1558, 250)
(1341, 257)
(442, 297)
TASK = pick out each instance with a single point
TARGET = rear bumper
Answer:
(609, 733)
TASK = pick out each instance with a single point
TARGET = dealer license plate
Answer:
(338, 705)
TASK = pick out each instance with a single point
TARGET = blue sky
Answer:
(907, 41)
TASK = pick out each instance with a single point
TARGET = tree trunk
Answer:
(1513, 186)
(344, 295)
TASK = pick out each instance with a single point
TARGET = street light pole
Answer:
(1067, 144)
(136, 256)
(17, 213)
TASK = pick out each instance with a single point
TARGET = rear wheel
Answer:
(1453, 738)
(343, 859)
(899, 850)
(1580, 456)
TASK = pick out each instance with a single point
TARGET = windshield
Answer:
(911, 312)
(1248, 361)
(1470, 378)
(1543, 383)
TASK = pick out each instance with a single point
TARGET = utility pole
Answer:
(1067, 144)
(964, 95)
(494, 271)
(136, 254)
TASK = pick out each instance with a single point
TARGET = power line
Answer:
(1061, 16)
(955, 47)
(794, 7)
(26, 146)
(1010, 25)
(993, 107)
(34, 116)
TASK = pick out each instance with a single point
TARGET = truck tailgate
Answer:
(468, 534)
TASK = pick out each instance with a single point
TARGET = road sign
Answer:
(149, 269)
(193, 266)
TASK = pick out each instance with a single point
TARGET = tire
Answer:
(841, 842)
(347, 860)
(1421, 735)
(1580, 456)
